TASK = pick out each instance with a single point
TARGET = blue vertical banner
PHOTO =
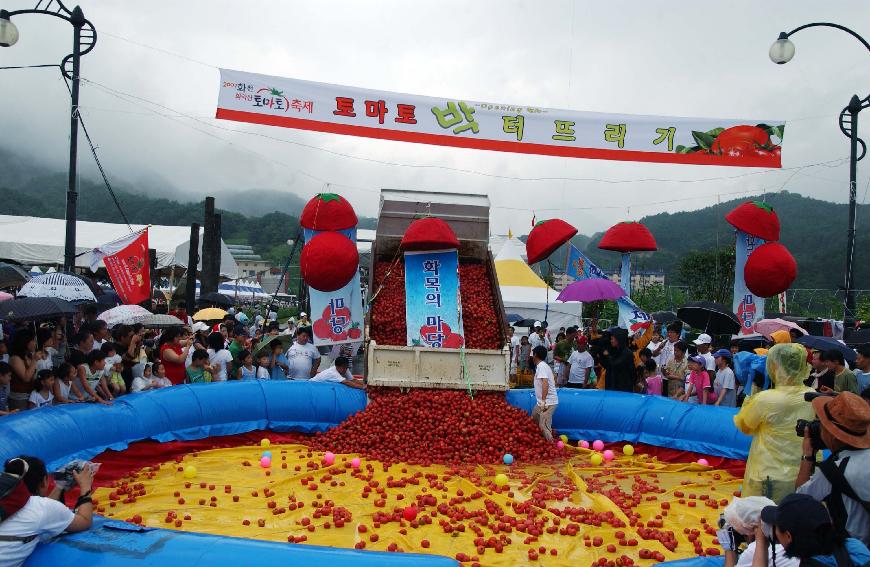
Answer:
(631, 316)
(337, 317)
(748, 307)
(432, 307)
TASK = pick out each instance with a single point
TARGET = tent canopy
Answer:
(525, 293)
(37, 241)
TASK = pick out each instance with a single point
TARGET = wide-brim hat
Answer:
(846, 417)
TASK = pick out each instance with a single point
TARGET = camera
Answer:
(64, 476)
(815, 427)
(735, 538)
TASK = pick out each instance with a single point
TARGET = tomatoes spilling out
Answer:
(438, 426)
(480, 323)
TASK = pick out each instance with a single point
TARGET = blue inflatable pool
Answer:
(59, 434)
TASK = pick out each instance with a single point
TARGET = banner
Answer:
(432, 309)
(748, 307)
(126, 261)
(631, 316)
(353, 111)
(336, 316)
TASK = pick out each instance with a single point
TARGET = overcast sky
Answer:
(664, 58)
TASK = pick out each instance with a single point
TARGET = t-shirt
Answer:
(235, 348)
(543, 373)
(858, 552)
(580, 363)
(140, 383)
(724, 385)
(41, 516)
(818, 486)
(667, 353)
(654, 385)
(248, 374)
(845, 381)
(536, 340)
(332, 375)
(197, 375)
(700, 380)
(301, 359)
(863, 379)
(220, 363)
(263, 373)
(745, 559)
(515, 342)
(277, 371)
(39, 401)
(709, 361)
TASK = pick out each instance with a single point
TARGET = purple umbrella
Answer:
(592, 289)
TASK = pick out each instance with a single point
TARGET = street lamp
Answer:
(781, 52)
(84, 39)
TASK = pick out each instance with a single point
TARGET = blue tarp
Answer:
(61, 433)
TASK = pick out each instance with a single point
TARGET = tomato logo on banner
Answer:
(128, 268)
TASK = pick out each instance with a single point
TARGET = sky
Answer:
(152, 82)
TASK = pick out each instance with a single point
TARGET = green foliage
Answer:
(709, 275)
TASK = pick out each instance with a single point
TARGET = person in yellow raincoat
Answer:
(770, 418)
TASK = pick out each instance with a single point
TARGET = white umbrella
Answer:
(124, 315)
(60, 286)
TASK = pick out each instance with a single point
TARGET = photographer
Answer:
(803, 528)
(738, 524)
(842, 480)
(43, 516)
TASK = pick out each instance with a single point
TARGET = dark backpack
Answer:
(840, 487)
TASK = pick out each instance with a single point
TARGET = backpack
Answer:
(839, 487)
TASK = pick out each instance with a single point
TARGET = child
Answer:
(41, 396)
(724, 386)
(652, 379)
(525, 354)
(277, 361)
(144, 382)
(263, 366)
(65, 389)
(675, 370)
(246, 368)
(114, 380)
(698, 390)
(92, 378)
(5, 379)
(158, 372)
(199, 371)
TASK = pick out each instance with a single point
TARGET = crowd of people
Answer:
(40, 366)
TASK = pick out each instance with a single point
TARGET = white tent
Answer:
(526, 294)
(40, 241)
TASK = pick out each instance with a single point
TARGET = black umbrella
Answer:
(712, 318)
(513, 318)
(12, 275)
(215, 298)
(525, 323)
(109, 298)
(35, 309)
(663, 317)
(825, 343)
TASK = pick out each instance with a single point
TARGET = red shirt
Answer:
(174, 370)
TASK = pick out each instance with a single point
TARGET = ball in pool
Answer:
(598, 444)
(596, 459)
(627, 450)
(190, 471)
(508, 459)
(264, 442)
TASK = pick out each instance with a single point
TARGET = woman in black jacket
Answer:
(618, 361)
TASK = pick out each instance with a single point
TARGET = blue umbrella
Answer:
(514, 318)
(828, 343)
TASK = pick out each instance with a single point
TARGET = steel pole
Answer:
(849, 312)
(77, 20)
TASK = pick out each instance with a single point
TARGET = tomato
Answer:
(740, 138)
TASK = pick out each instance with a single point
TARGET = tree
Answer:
(709, 275)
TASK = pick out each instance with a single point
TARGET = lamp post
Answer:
(781, 52)
(84, 39)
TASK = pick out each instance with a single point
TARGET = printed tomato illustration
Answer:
(354, 332)
(427, 330)
(742, 138)
(453, 340)
(322, 328)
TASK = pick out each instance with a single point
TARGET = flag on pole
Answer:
(126, 261)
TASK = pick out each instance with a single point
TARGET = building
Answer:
(251, 265)
(640, 278)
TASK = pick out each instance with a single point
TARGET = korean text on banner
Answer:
(353, 111)
(126, 261)
(432, 299)
(748, 307)
(337, 316)
(580, 267)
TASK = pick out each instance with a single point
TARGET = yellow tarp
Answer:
(282, 502)
(517, 273)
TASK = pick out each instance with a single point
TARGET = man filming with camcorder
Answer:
(842, 481)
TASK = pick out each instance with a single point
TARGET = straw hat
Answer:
(846, 417)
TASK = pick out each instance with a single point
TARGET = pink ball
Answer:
(608, 455)
(584, 444)
(598, 445)
(265, 462)
(560, 444)
(703, 462)
(329, 458)
(355, 462)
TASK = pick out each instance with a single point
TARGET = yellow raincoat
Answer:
(770, 418)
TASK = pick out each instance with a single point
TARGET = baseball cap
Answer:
(796, 513)
(703, 339)
(536, 324)
(698, 359)
(199, 326)
(303, 314)
(723, 352)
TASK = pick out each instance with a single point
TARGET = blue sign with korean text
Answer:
(432, 306)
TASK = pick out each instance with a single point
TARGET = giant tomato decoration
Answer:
(755, 218)
(328, 261)
(429, 233)
(328, 211)
(628, 237)
(770, 270)
(545, 237)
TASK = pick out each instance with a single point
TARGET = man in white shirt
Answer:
(43, 517)
(303, 357)
(664, 353)
(704, 343)
(339, 373)
(546, 398)
(580, 363)
(539, 337)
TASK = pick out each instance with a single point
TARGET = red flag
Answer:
(129, 269)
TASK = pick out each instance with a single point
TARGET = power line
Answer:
(43, 66)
